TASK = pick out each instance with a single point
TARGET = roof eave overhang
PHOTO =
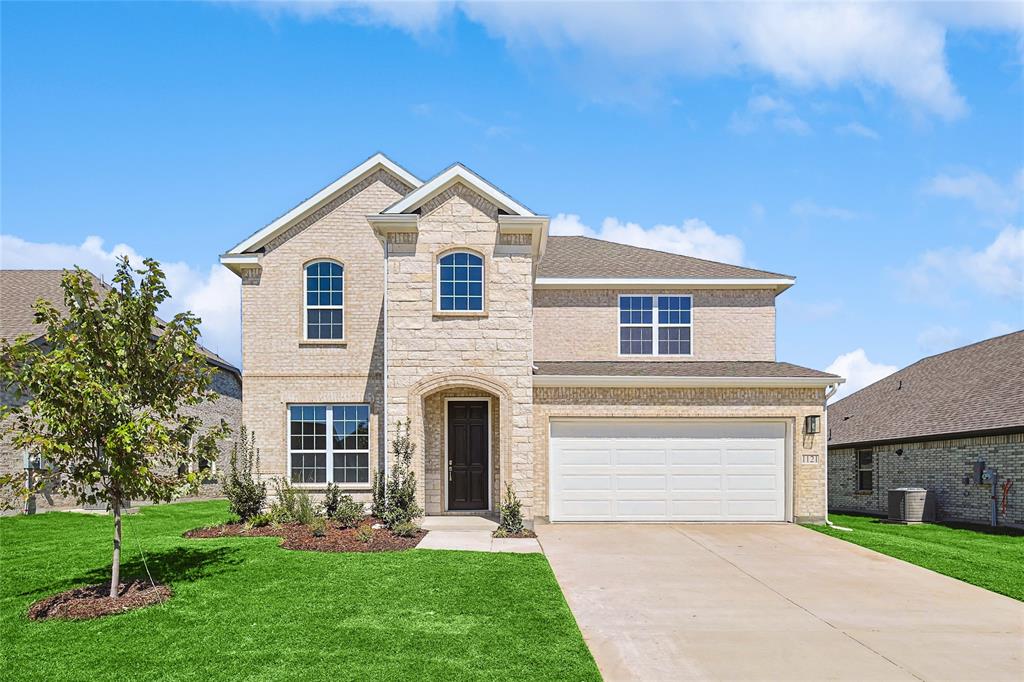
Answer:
(568, 380)
(952, 435)
(776, 284)
(450, 177)
(371, 165)
(384, 224)
(237, 262)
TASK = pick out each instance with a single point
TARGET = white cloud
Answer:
(858, 370)
(805, 208)
(857, 129)
(900, 47)
(997, 269)
(213, 294)
(987, 194)
(693, 238)
(764, 109)
(938, 338)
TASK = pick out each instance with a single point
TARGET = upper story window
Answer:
(460, 278)
(325, 300)
(655, 325)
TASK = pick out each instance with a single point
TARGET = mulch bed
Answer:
(298, 536)
(94, 601)
(525, 533)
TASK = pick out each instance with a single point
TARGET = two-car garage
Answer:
(627, 470)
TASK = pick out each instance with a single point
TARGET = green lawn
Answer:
(245, 608)
(990, 560)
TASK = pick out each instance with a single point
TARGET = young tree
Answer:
(105, 396)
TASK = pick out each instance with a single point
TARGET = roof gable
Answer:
(977, 388)
(377, 163)
(577, 257)
(448, 178)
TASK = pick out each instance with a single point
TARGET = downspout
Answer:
(384, 369)
(831, 391)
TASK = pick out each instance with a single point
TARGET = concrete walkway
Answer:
(470, 533)
(773, 602)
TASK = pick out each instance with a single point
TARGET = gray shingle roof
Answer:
(629, 368)
(20, 289)
(585, 257)
(977, 388)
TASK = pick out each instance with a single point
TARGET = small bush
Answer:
(319, 526)
(246, 496)
(511, 512)
(292, 505)
(331, 500)
(260, 520)
(400, 506)
(406, 529)
(365, 534)
(348, 512)
(500, 533)
(380, 503)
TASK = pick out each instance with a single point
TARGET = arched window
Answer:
(325, 300)
(461, 282)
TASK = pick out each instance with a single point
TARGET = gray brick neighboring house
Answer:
(603, 382)
(19, 290)
(926, 425)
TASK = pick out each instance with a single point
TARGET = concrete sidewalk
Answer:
(773, 602)
(470, 533)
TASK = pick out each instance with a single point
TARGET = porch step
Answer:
(457, 524)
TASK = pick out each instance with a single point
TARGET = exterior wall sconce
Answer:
(812, 423)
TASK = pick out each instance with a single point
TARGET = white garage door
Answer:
(661, 470)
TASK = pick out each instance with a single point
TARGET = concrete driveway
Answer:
(773, 602)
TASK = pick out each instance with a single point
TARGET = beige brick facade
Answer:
(791, 405)
(583, 324)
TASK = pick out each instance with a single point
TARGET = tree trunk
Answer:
(115, 573)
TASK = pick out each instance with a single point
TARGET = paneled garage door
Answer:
(667, 470)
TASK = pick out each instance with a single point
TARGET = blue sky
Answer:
(879, 158)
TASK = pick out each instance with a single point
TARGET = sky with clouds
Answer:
(875, 151)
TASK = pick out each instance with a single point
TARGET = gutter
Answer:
(682, 381)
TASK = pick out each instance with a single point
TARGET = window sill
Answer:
(342, 486)
(864, 492)
(323, 343)
(460, 313)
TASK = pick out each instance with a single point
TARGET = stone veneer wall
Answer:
(583, 324)
(790, 404)
(282, 367)
(495, 347)
(227, 407)
(939, 466)
(435, 446)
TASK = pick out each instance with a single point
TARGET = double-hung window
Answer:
(329, 443)
(460, 282)
(325, 300)
(655, 325)
(865, 471)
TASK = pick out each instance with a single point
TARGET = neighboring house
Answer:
(603, 382)
(20, 289)
(927, 425)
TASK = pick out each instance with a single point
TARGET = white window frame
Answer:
(869, 468)
(654, 325)
(483, 283)
(305, 301)
(330, 447)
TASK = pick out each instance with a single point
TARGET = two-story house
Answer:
(604, 382)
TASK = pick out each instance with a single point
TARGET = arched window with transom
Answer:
(325, 300)
(460, 280)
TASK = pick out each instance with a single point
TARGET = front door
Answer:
(467, 454)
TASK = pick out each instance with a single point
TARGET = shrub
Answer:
(400, 496)
(246, 496)
(260, 520)
(292, 505)
(331, 500)
(380, 503)
(319, 526)
(511, 512)
(348, 513)
(406, 529)
(365, 534)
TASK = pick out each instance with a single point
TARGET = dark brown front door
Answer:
(467, 454)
